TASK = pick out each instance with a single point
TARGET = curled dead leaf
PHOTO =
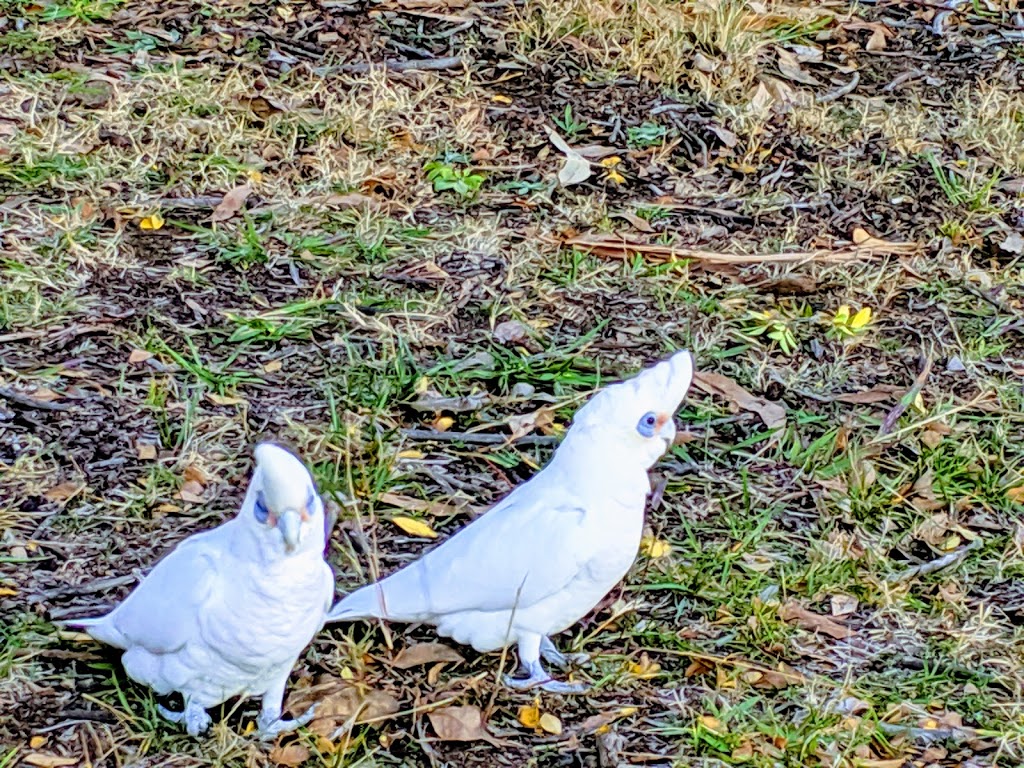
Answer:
(772, 414)
(465, 723)
(802, 617)
(232, 203)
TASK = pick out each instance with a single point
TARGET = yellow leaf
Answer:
(654, 548)
(615, 177)
(346, 674)
(422, 385)
(711, 723)
(551, 724)
(611, 162)
(501, 99)
(919, 403)
(861, 319)
(152, 222)
(250, 727)
(255, 176)
(414, 527)
(842, 315)
(411, 453)
(9, 592)
(36, 742)
(529, 715)
(444, 423)
(1016, 495)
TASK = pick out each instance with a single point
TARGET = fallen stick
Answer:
(478, 438)
(404, 65)
(937, 564)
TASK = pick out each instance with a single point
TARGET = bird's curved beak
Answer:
(290, 525)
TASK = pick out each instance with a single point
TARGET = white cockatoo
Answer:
(546, 554)
(229, 610)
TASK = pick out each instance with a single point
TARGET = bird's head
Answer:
(282, 499)
(635, 416)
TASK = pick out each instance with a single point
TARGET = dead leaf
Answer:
(529, 714)
(339, 701)
(465, 723)
(139, 356)
(843, 605)
(865, 241)
(431, 400)
(789, 66)
(64, 491)
(291, 755)
(414, 527)
(876, 42)
(152, 222)
(272, 366)
(523, 425)
(145, 451)
(44, 395)
(353, 200)
(654, 547)
(418, 505)
(36, 742)
(877, 394)
(232, 203)
(576, 169)
(793, 611)
(510, 332)
(43, 760)
(550, 724)
(772, 414)
(425, 653)
(216, 399)
(639, 224)
(1016, 495)
(191, 492)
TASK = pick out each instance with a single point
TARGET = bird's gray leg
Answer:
(555, 657)
(537, 676)
(270, 722)
(196, 719)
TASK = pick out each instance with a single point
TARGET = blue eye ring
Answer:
(648, 424)
(259, 510)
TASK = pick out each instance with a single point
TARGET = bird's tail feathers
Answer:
(400, 597)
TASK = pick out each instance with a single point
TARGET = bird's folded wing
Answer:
(161, 613)
(525, 549)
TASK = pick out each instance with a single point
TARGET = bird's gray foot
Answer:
(271, 725)
(556, 658)
(196, 719)
(537, 677)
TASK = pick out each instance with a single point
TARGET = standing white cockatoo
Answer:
(229, 610)
(547, 553)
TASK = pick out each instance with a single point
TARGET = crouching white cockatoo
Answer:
(229, 610)
(547, 553)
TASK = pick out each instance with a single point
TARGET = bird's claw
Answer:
(271, 727)
(556, 658)
(545, 683)
(196, 719)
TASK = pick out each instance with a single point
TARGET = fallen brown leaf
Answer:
(43, 760)
(64, 491)
(425, 653)
(339, 701)
(465, 723)
(232, 203)
(772, 414)
(877, 394)
(793, 611)
(290, 755)
(139, 356)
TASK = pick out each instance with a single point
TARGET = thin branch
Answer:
(478, 438)
(954, 557)
(404, 65)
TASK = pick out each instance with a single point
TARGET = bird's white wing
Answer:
(530, 546)
(161, 614)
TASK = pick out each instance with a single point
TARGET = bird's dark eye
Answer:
(260, 510)
(647, 424)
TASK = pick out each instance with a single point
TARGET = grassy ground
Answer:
(834, 570)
